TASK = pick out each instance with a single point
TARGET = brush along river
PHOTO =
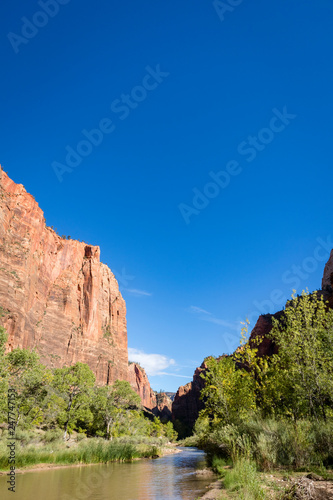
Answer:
(171, 477)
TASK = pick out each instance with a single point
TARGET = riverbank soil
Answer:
(215, 492)
(309, 486)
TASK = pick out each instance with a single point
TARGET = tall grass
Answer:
(269, 444)
(244, 479)
(89, 451)
(275, 443)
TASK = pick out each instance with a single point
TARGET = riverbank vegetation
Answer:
(48, 406)
(36, 447)
(272, 413)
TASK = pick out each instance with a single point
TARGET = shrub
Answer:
(53, 435)
(273, 443)
(244, 479)
(219, 465)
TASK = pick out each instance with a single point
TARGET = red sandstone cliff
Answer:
(187, 402)
(140, 383)
(57, 296)
(327, 281)
(163, 407)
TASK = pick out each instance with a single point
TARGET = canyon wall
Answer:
(140, 383)
(327, 281)
(187, 402)
(163, 407)
(58, 298)
(55, 294)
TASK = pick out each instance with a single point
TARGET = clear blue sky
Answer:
(198, 89)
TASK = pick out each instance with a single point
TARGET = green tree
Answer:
(114, 404)
(30, 379)
(73, 389)
(202, 426)
(170, 432)
(3, 374)
(303, 368)
(229, 392)
(156, 428)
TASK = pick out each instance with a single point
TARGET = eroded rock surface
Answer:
(140, 383)
(55, 294)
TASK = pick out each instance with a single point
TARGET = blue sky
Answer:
(208, 183)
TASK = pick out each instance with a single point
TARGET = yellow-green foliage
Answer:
(275, 410)
(301, 384)
(229, 392)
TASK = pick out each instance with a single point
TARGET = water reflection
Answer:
(168, 478)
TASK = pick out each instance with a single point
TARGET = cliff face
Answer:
(55, 294)
(163, 407)
(327, 281)
(261, 329)
(187, 402)
(140, 383)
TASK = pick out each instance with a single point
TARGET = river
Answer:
(171, 477)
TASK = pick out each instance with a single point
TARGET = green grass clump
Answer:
(220, 465)
(244, 479)
(97, 451)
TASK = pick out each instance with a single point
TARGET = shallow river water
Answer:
(171, 477)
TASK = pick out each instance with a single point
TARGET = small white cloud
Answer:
(138, 293)
(154, 364)
(208, 316)
(198, 310)
(176, 375)
(221, 322)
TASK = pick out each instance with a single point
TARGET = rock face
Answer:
(163, 407)
(171, 395)
(58, 298)
(55, 294)
(187, 402)
(140, 383)
(261, 330)
(327, 282)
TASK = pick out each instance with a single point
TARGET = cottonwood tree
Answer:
(113, 404)
(73, 389)
(303, 367)
(30, 379)
(229, 392)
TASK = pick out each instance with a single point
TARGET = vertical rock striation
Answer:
(140, 383)
(55, 294)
